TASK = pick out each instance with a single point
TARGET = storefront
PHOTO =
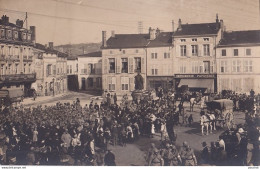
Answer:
(196, 82)
(155, 82)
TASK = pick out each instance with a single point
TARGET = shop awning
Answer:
(197, 83)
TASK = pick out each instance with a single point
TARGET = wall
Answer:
(236, 75)
(117, 77)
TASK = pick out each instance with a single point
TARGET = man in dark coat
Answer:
(109, 159)
(205, 154)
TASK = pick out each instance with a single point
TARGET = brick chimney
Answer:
(33, 29)
(172, 25)
(151, 33)
(158, 31)
(51, 45)
(5, 19)
(222, 28)
(19, 23)
(179, 24)
(113, 34)
(104, 38)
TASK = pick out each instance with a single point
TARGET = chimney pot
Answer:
(113, 33)
(179, 24)
(152, 33)
(104, 38)
(51, 45)
(33, 29)
(172, 25)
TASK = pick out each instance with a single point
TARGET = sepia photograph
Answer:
(129, 83)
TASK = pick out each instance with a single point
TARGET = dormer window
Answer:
(2, 33)
(194, 40)
(29, 36)
(24, 36)
(9, 34)
(183, 40)
(123, 51)
(15, 35)
(206, 39)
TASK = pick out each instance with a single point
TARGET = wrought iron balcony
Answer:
(18, 78)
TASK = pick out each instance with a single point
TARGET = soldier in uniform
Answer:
(187, 155)
(150, 154)
(175, 158)
(166, 153)
(157, 159)
(190, 158)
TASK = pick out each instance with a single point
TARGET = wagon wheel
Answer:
(229, 119)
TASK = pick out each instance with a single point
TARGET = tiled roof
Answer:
(92, 54)
(163, 39)
(240, 37)
(127, 41)
(198, 29)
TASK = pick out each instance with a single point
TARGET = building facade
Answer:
(51, 71)
(237, 61)
(16, 56)
(123, 57)
(90, 71)
(195, 55)
(160, 55)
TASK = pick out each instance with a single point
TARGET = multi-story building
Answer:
(123, 56)
(237, 60)
(90, 71)
(160, 60)
(51, 71)
(16, 56)
(195, 58)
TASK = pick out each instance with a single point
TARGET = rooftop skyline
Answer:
(82, 21)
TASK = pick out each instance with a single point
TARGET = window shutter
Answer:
(142, 66)
(104, 83)
(131, 84)
(131, 65)
(105, 66)
(118, 65)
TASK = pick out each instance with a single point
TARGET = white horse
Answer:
(207, 121)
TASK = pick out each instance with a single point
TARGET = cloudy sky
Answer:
(80, 21)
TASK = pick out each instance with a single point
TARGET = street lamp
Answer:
(53, 86)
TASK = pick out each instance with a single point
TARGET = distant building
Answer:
(237, 61)
(16, 56)
(51, 71)
(90, 71)
(195, 55)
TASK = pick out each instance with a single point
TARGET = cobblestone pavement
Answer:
(133, 154)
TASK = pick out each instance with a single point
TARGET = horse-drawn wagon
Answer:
(223, 110)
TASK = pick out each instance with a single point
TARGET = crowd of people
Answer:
(75, 134)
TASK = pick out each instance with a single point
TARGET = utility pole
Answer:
(140, 27)
(25, 20)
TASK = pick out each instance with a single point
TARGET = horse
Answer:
(193, 101)
(206, 120)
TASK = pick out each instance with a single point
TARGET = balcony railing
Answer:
(18, 78)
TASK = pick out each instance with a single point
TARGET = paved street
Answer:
(133, 154)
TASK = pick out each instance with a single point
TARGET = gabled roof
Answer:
(240, 37)
(92, 54)
(162, 39)
(198, 29)
(127, 41)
